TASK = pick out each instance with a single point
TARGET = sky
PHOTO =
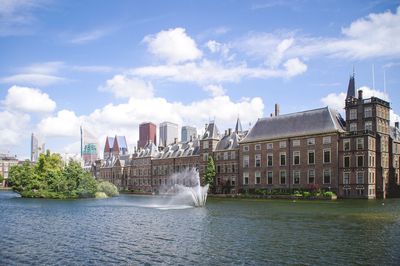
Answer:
(111, 65)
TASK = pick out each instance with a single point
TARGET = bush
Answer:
(329, 194)
(109, 189)
(306, 194)
(100, 195)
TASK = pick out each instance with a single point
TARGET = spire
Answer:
(238, 127)
(351, 90)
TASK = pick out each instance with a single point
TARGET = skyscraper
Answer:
(168, 133)
(188, 132)
(89, 147)
(34, 148)
(147, 132)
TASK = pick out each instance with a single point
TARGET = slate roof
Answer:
(238, 127)
(180, 149)
(395, 134)
(351, 89)
(322, 120)
(122, 142)
(228, 142)
(212, 132)
(150, 150)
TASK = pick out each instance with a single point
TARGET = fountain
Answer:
(185, 187)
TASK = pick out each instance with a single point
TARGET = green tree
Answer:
(1, 179)
(209, 172)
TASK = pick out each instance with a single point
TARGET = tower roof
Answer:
(238, 127)
(351, 89)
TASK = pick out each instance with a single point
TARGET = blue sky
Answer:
(111, 65)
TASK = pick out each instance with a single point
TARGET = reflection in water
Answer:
(149, 230)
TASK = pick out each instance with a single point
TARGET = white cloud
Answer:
(33, 79)
(173, 45)
(123, 87)
(64, 124)
(214, 90)
(39, 74)
(216, 47)
(95, 69)
(12, 128)
(28, 100)
(294, 67)
(89, 36)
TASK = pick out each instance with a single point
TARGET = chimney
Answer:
(360, 94)
(396, 124)
(175, 140)
(206, 126)
(270, 115)
(229, 131)
(276, 109)
(226, 132)
(191, 138)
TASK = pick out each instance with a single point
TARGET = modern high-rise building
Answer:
(187, 133)
(34, 148)
(89, 147)
(147, 133)
(168, 133)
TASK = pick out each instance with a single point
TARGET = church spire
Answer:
(351, 90)
(238, 127)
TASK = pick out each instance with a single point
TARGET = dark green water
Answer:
(132, 230)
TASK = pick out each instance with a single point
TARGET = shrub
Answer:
(108, 188)
(306, 194)
(329, 194)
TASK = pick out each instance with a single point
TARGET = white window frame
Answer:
(327, 140)
(296, 143)
(296, 172)
(308, 176)
(280, 158)
(330, 156)
(296, 154)
(311, 141)
(328, 170)
(344, 144)
(282, 144)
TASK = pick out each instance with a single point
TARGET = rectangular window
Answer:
(346, 178)
(282, 156)
(311, 141)
(269, 177)
(233, 181)
(282, 144)
(269, 159)
(257, 177)
(360, 178)
(346, 144)
(311, 176)
(225, 156)
(245, 148)
(360, 143)
(296, 143)
(353, 114)
(245, 178)
(282, 179)
(360, 160)
(257, 147)
(327, 176)
(205, 145)
(245, 161)
(296, 157)
(368, 112)
(296, 177)
(233, 155)
(270, 146)
(353, 127)
(311, 157)
(368, 125)
(257, 158)
(327, 156)
(326, 140)
(346, 161)
(205, 157)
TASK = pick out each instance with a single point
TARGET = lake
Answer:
(146, 230)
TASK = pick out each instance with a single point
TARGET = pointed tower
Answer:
(238, 127)
(351, 89)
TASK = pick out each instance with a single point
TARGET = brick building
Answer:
(356, 157)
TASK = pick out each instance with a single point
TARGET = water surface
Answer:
(152, 230)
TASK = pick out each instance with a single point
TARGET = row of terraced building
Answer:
(356, 157)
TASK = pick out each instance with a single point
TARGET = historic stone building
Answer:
(355, 157)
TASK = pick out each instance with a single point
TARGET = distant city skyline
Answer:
(113, 65)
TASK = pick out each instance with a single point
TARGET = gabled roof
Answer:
(121, 141)
(180, 149)
(150, 150)
(212, 132)
(395, 134)
(109, 144)
(322, 120)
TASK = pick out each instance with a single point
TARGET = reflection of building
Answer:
(188, 133)
(6, 161)
(168, 133)
(147, 133)
(358, 157)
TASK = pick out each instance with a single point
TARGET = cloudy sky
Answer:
(111, 65)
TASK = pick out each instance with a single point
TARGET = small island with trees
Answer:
(51, 178)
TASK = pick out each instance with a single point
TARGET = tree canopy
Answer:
(209, 172)
(50, 178)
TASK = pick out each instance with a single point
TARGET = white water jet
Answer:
(185, 187)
